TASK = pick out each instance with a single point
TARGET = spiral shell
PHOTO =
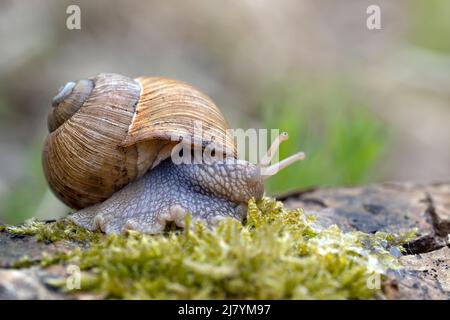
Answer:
(109, 130)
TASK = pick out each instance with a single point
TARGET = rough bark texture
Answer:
(390, 207)
(394, 207)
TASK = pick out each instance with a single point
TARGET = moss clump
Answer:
(54, 231)
(277, 254)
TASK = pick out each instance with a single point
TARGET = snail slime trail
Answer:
(108, 155)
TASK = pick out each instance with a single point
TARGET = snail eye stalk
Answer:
(273, 169)
(265, 161)
(267, 170)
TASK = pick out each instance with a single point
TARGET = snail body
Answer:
(169, 191)
(108, 155)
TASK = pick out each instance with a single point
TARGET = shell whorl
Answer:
(82, 161)
(66, 103)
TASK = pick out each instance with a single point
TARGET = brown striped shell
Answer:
(109, 130)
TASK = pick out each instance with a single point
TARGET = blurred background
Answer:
(365, 105)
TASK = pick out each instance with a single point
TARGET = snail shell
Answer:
(109, 130)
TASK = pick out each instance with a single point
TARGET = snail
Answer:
(109, 155)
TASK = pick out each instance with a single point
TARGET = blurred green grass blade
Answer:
(342, 139)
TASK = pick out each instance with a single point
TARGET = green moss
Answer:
(277, 254)
(51, 232)
(23, 262)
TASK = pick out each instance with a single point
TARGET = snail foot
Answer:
(96, 218)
